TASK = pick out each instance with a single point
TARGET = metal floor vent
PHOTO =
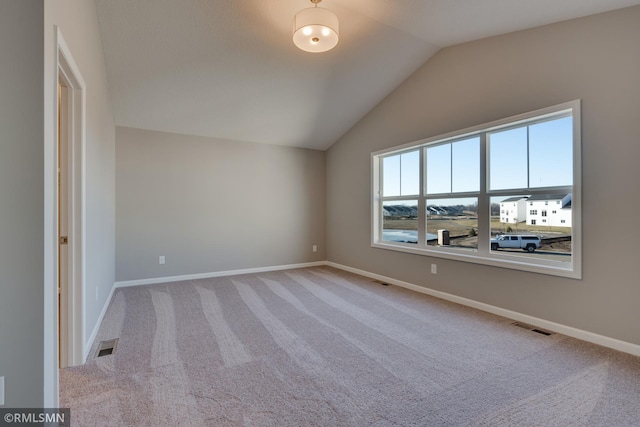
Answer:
(107, 347)
(532, 328)
(380, 283)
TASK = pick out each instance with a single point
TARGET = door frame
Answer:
(72, 326)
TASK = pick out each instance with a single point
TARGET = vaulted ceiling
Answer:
(228, 68)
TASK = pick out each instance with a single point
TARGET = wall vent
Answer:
(107, 347)
(532, 328)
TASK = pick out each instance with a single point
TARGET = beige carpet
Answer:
(321, 347)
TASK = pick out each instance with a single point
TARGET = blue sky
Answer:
(454, 167)
(550, 156)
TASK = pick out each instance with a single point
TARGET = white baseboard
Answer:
(94, 333)
(580, 334)
(158, 280)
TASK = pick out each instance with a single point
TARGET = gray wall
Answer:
(28, 355)
(21, 201)
(211, 205)
(595, 59)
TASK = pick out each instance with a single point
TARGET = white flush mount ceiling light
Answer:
(315, 29)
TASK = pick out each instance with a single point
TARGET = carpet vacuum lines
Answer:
(318, 346)
(394, 365)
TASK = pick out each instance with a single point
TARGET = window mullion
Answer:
(484, 214)
(528, 159)
(451, 168)
(422, 202)
(377, 219)
(400, 160)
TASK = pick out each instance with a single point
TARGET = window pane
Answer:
(508, 159)
(516, 219)
(466, 165)
(391, 176)
(410, 173)
(458, 217)
(439, 169)
(551, 153)
(401, 174)
(400, 221)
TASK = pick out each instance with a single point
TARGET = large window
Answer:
(444, 196)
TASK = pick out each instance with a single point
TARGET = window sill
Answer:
(502, 260)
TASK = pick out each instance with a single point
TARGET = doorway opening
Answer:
(70, 254)
(62, 235)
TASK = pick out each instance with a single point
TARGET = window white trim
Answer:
(483, 255)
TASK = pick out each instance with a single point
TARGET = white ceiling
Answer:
(228, 68)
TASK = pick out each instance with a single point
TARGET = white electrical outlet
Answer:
(1, 391)
(434, 268)
(314, 248)
(161, 259)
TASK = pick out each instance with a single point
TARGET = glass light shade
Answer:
(315, 29)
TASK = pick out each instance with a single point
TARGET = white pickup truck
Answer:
(528, 243)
